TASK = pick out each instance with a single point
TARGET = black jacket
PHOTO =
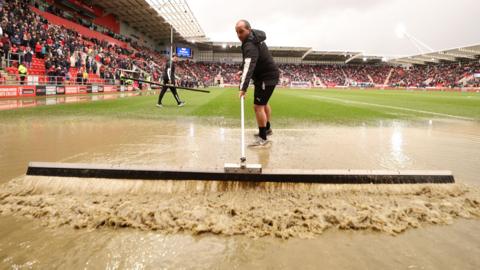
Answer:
(28, 57)
(257, 63)
(166, 77)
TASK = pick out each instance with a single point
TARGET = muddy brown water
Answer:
(16, 103)
(98, 224)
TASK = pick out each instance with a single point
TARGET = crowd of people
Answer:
(69, 56)
(27, 35)
(69, 15)
(435, 75)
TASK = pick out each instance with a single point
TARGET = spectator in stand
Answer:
(22, 72)
(27, 57)
(78, 61)
(68, 77)
(102, 71)
(47, 63)
(38, 50)
(25, 38)
(88, 64)
(13, 53)
(79, 76)
(60, 75)
(33, 41)
(85, 77)
(94, 67)
(5, 47)
(44, 51)
(51, 75)
(16, 40)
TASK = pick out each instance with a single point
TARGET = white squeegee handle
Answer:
(243, 159)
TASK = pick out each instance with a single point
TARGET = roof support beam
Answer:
(459, 54)
(442, 57)
(353, 57)
(410, 61)
(472, 51)
(426, 59)
(307, 53)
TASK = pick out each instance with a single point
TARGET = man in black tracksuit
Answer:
(169, 78)
(258, 65)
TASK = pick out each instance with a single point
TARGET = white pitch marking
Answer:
(347, 101)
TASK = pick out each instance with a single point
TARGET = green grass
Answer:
(289, 106)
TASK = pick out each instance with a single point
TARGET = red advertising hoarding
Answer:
(8, 91)
(71, 90)
(27, 91)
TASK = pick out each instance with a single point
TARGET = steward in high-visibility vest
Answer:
(22, 71)
(122, 79)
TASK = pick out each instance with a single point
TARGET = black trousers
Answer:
(164, 90)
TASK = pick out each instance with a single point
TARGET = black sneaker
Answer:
(269, 133)
(181, 104)
(259, 143)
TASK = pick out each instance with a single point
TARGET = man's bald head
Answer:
(244, 23)
(243, 29)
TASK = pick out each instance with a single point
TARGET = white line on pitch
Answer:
(347, 101)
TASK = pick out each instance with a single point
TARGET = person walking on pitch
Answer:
(169, 78)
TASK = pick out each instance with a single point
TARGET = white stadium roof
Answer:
(304, 53)
(451, 55)
(180, 16)
(154, 17)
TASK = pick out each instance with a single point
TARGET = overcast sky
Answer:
(357, 25)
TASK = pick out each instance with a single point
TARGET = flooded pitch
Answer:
(17, 103)
(75, 223)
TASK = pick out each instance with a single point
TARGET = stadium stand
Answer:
(59, 49)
